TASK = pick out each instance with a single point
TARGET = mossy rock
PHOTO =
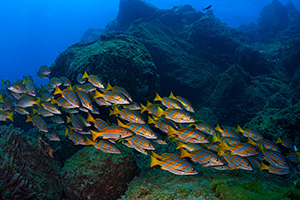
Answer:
(93, 174)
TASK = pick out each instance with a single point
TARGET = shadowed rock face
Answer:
(92, 174)
(116, 58)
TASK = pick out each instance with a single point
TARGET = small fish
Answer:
(21, 110)
(80, 79)
(95, 80)
(279, 170)
(7, 104)
(38, 122)
(243, 149)
(72, 110)
(132, 106)
(4, 116)
(128, 115)
(102, 102)
(161, 124)
(139, 141)
(151, 108)
(63, 103)
(204, 157)
(27, 101)
(83, 109)
(75, 122)
(17, 88)
(17, 95)
(65, 81)
(119, 90)
(188, 134)
(104, 146)
(227, 132)
(160, 141)
(175, 166)
(113, 97)
(69, 95)
(164, 156)
(293, 157)
(208, 7)
(253, 134)
(267, 144)
(169, 102)
(176, 115)
(58, 120)
(273, 157)
(44, 70)
(54, 82)
(43, 112)
(234, 161)
(44, 147)
(188, 146)
(76, 138)
(98, 123)
(83, 120)
(30, 87)
(112, 132)
(51, 108)
(204, 127)
(85, 100)
(186, 104)
(52, 136)
(87, 87)
(288, 142)
(255, 162)
(136, 147)
(46, 97)
(6, 83)
(231, 141)
(139, 129)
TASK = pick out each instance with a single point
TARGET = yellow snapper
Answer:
(176, 115)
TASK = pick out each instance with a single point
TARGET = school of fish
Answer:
(168, 120)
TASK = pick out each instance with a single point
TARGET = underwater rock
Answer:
(91, 35)
(92, 174)
(238, 97)
(274, 123)
(187, 46)
(116, 57)
(254, 61)
(249, 32)
(30, 163)
(211, 184)
(278, 22)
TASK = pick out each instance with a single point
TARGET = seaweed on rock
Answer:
(12, 184)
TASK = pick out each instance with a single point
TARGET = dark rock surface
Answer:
(92, 174)
(31, 163)
(115, 57)
(91, 35)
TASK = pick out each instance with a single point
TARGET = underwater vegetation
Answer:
(105, 117)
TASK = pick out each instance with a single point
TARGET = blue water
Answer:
(33, 32)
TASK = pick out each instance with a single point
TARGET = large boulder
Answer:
(29, 165)
(93, 174)
(115, 57)
(238, 97)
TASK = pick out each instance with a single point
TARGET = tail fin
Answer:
(85, 75)
(154, 161)
(239, 129)
(157, 97)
